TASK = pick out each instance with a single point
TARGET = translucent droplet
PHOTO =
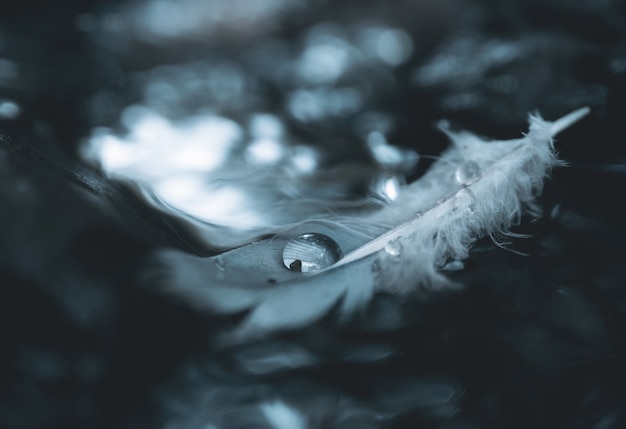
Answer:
(311, 252)
(466, 172)
(465, 200)
(418, 214)
(376, 267)
(394, 247)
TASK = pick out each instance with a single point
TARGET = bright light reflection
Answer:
(155, 20)
(214, 169)
(9, 109)
(304, 159)
(265, 125)
(195, 166)
(173, 160)
(156, 148)
(390, 156)
(324, 62)
(281, 416)
(391, 188)
(391, 46)
(383, 152)
(464, 61)
(195, 196)
(265, 151)
(317, 104)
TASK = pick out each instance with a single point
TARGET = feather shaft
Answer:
(407, 228)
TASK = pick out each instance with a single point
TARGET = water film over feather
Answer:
(476, 188)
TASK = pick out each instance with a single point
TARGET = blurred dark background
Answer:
(535, 341)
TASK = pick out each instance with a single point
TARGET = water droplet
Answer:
(394, 247)
(376, 267)
(465, 200)
(418, 214)
(311, 252)
(466, 172)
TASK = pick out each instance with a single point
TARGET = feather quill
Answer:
(476, 188)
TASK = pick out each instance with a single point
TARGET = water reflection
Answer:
(218, 171)
(280, 415)
(158, 21)
(326, 57)
(466, 60)
(156, 147)
(392, 46)
(213, 138)
(179, 90)
(9, 109)
(266, 147)
(322, 103)
(387, 188)
(303, 160)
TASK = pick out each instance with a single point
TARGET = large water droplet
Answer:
(467, 171)
(394, 247)
(311, 252)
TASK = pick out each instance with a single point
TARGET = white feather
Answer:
(447, 212)
(476, 188)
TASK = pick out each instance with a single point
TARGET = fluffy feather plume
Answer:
(476, 188)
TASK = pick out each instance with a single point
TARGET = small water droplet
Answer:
(394, 247)
(311, 252)
(376, 267)
(465, 200)
(418, 214)
(467, 171)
